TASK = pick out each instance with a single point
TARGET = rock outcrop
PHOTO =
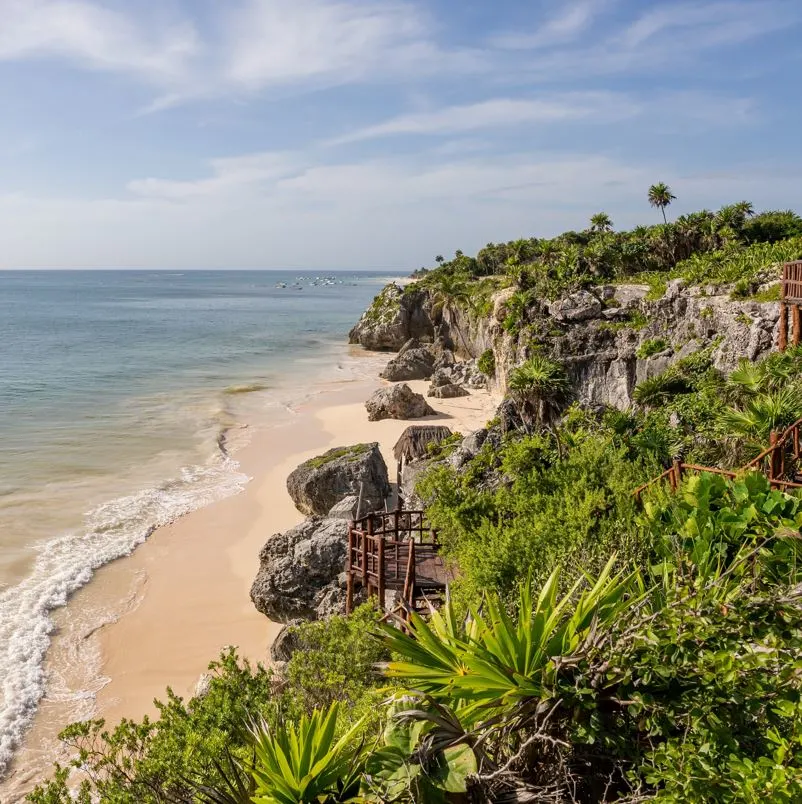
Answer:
(397, 402)
(395, 316)
(599, 334)
(447, 391)
(299, 571)
(410, 364)
(320, 483)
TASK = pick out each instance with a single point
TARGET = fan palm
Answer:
(601, 222)
(304, 763)
(449, 291)
(660, 196)
(540, 387)
(763, 413)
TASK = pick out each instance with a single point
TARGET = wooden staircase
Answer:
(395, 552)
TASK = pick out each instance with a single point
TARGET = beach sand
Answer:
(184, 595)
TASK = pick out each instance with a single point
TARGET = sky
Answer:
(376, 134)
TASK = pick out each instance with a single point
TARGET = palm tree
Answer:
(660, 196)
(540, 387)
(447, 294)
(601, 222)
(439, 259)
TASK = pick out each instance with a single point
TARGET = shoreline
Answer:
(174, 609)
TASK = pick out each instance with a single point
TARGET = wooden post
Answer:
(782, 341)
(796, 443)
(676, 474)
(774, 457)
(366, 535)
(349, 571)
(381, 573)
(409, 581)
(796, 330)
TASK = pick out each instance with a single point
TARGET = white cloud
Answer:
(287, 210)
(573, 20)
(500, 112)
(97, 38)
(269, 42)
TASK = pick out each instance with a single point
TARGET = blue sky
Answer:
(378, 133)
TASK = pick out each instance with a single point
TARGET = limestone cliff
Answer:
(609, 337)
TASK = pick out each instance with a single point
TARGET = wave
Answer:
(65, 564)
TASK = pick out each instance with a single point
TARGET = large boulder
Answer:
(320, 483)
(447, 391)
(299, 571)
(411, 364)
(394, 317)
(397, 402)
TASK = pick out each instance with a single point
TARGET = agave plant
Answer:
(493, 665)
(305, 763)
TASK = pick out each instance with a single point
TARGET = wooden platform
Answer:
(395, 552)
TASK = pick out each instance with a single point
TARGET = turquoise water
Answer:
(120, 399)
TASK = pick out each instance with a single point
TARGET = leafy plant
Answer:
(650, 347)
(306, 763)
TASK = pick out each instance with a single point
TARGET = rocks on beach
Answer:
(397, 402)
(321, 483)
(411, 364)
(299, 571)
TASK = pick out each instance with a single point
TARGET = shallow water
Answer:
(120, 399)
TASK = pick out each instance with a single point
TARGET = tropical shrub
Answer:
(487, 363)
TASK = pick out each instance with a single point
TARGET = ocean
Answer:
(121, 399)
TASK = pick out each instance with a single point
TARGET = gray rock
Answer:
(346, 508)
(473, 442)
(285, 643)
(320, 483)
(579, 306)
(413, 364)
(393, 319)
(441, 377)
(299, 569)
(397, 402)
(412, 343)
(448, 391)
(444, 360)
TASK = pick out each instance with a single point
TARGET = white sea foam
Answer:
(64, 564)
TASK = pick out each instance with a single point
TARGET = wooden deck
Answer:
(395, 552)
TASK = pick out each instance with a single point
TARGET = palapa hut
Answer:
(415, 440)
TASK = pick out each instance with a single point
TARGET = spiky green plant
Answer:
(540, 387)
(493, 664)
(305, 763)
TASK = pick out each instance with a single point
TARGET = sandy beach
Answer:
(184, 595)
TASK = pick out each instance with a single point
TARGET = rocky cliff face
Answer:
(609, 338)
(395, 317)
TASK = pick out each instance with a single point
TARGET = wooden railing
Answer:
(384, 549)
(790, 301)
(779, 461)
(792, 281)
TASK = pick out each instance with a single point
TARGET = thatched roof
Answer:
(415, 439)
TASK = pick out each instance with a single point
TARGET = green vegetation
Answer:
(593, 648)
(338, 452)
(652, 346)
(724, 247)
(487, 363)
